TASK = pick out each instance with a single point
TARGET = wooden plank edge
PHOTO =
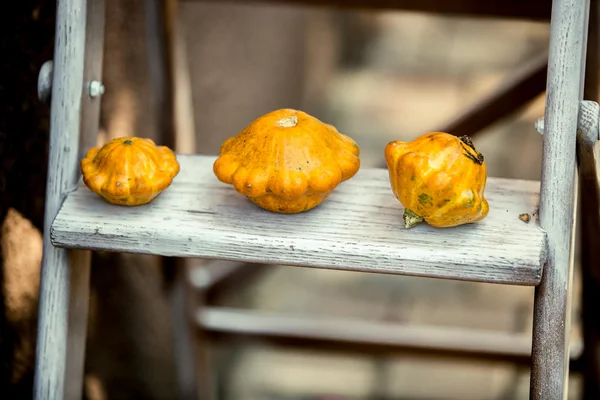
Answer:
(518, 275)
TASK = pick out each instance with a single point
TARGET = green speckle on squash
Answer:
(469, 203)
(424, 199)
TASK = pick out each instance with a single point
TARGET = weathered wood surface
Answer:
(358, 228)
(51, 351)
(552, 306)
(81, 260)
(525, 9)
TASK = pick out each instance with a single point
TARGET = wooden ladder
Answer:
(200, 218)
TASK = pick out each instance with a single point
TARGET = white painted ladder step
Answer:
(359, 227)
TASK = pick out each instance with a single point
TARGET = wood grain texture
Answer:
(51, 351)
(79, 294)
(358, 228)
(552, 308)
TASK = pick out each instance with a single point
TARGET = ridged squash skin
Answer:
(129, 171)
(438, 178)
(287, 161)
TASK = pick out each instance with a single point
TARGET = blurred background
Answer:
(377, 76)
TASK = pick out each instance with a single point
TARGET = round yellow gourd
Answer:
(438, 178)
(287, 161)
(129, 171)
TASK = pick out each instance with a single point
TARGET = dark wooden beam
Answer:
(589, 228)
(521, 87)
(524, 9)
(161, 29)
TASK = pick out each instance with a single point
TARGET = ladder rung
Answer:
(359, 227)
(369, 336)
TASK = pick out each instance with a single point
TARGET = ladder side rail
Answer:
(55, 300)
(552, 305)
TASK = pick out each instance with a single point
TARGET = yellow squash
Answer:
(129, 171)
(439, 178)
(287, 161)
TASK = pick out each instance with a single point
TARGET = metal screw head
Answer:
(539, 125)
(96, 88)
(45, 82)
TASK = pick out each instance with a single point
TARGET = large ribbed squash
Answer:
(129, 171)
(439, 178)
(287, 161)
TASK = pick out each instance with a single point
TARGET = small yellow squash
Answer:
(287, 161)
(439, 178)
(129, 171)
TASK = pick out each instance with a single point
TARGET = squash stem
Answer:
(411, 219)
(478, 158)
(288, 122)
